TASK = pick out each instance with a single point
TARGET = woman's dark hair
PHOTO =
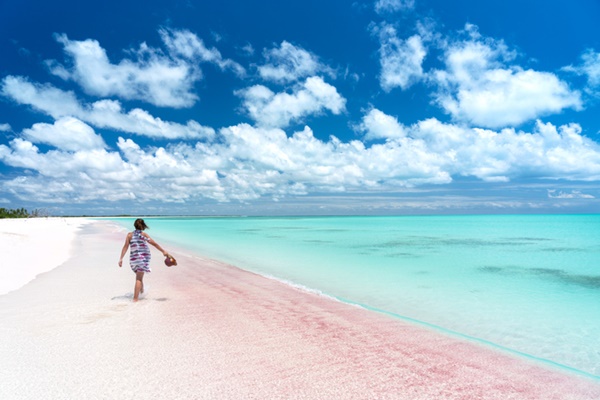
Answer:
(139, 224)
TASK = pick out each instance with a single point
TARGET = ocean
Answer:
(528, 284)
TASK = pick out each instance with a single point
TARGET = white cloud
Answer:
(45, 98)
(590, 68)
(480, 87)
(378, 125)
(183, 43)
(546, 153)
(164, 80)
(150, 76)
(574, 194)
(301, 162)
(5, 128)
(72, 166)
(62, 176)
(383, 6)
(102, 114)
(401, 60)
(247, 49)
(496, 156)
(109, 114)
(248, 162)
(289, 63)
(67, 134)
(270, 109)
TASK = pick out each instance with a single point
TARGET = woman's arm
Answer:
(125, 247)
(153, 243)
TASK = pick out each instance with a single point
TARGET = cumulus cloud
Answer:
(45, 98)
(547, 152)
(5, 128)
(102, 114)
(70, 166)
(378, 125)
(150, 76)
(480, 86)
(165, 80)
(590, 68)
(110, 114)
(270, 109)
(289, 63)
(67, 133)
(401, 60)
(249, 162)
(85, 175)
(183, 43)
(383, 6)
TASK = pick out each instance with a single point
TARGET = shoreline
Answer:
(205, 329)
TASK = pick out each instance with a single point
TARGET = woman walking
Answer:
(139, 254)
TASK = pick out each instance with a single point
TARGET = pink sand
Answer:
(206, 330)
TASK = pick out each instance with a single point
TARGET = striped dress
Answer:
(139, 252)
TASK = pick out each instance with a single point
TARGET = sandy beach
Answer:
(24, 239)
(207, 330)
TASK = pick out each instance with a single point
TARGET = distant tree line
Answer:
(21, 213)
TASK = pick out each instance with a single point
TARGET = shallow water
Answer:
(530, 284)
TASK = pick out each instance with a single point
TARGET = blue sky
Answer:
(300, 107)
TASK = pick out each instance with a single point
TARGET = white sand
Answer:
(205, 330)
(31, 246)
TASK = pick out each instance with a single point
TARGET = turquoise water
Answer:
(530, 284)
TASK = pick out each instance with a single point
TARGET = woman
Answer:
(139, 255)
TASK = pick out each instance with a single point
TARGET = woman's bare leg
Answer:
(139, 285)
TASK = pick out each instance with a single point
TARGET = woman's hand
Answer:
(120, 263)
